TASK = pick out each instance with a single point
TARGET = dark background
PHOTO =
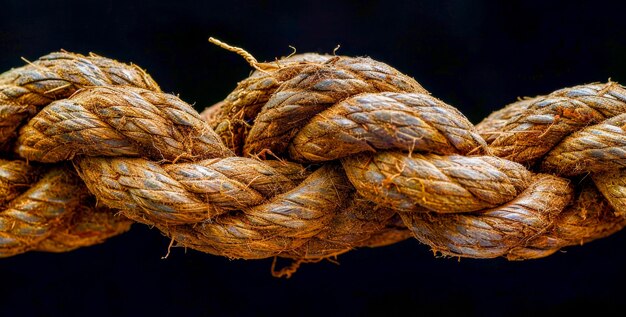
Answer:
(475, 55)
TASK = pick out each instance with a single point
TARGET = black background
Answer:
(475, 55)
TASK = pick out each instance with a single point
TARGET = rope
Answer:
(310, 157)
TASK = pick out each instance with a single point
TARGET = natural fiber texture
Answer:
(309, 157)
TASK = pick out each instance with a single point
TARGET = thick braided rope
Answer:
(309, 157)
(47, 208)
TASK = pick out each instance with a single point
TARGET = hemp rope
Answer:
(310, 157)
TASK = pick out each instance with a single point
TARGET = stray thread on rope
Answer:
(336, 49)
(262, 67)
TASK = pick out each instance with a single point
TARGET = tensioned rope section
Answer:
(310, 157)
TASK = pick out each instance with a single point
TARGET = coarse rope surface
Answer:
(310, 157)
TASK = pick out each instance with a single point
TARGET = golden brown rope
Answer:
(309, 157)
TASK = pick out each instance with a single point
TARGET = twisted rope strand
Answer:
(309, 157)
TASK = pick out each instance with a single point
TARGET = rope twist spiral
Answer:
(310, 157)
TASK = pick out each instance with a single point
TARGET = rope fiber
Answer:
(310, 157)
